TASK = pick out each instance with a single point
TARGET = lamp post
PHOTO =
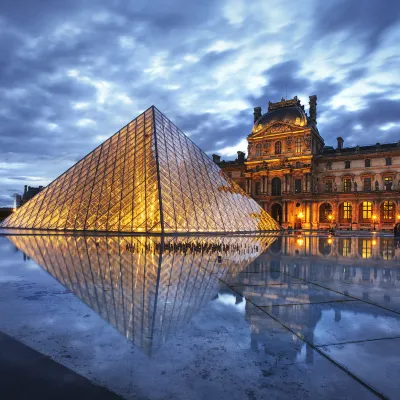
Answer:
(374, 217)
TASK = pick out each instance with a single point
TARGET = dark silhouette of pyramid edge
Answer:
(148, 177)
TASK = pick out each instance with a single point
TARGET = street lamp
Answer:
(374, 217)
(300, 241)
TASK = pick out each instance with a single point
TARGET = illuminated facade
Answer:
(146, 287)
(303, 183)
(148, 177)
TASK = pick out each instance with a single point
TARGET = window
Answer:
(347, 164)
(367, 184)
(328, 186)
(388, 183)
(388, 210)
(366, 248)
(324, 211)
(278, 147)
(388, 160)
(258, 150)
(298, 164)
(347, 185)
(366, 210)
(276, 187)
(347, 209)
(298, 145)
(367, 163)
(297, 185)
(258, 187)
(329, 165)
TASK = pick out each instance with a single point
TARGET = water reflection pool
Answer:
(224, 317)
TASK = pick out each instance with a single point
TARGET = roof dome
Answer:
(286, 111)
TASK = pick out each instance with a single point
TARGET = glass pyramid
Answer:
(146, 287)
(148, 177)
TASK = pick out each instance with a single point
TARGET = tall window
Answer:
(276, 187)
(388, 160)
(258, 150)
(347, 185)
(278, 147)
(366, 210)
(297, 185)
(347, 164)
(388, 210)
(347, 210)
(298, 145)
(328, 186)
(388, 183)
(367, 163)
(258, 187)
(367, 184)
(325, 210)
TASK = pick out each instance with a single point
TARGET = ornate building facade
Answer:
(304, 184)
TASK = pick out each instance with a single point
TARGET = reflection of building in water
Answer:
(144, 286)
(296, 271)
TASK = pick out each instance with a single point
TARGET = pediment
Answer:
(272, 128)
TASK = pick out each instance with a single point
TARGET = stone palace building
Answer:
(304, 184)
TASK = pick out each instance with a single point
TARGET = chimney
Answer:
(257, 113)
(340, 143)
(240, 156)
(313, 110)
(216, 158)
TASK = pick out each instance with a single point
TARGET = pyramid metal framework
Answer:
(148, 177)
(146, 287)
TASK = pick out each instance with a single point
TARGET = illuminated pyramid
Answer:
(148, 177)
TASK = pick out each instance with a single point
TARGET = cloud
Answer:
(72, 75)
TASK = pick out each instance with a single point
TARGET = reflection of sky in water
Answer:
(230, 300)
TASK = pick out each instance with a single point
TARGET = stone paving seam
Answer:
(319, 351)
(307, 304)
(344, 294)
(356, 341)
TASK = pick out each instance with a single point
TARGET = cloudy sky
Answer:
(74, 72)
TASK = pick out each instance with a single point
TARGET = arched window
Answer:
(366, 211)
(324, 211)
(345, 212)
(388, 211)
(298, 145)
(278, 147)
(258, 150)
(276, 187)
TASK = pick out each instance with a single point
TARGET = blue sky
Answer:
(73, 73)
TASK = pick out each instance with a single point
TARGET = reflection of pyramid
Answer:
(145, 287)
(148, 177)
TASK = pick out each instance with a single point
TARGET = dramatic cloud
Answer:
(72, 73)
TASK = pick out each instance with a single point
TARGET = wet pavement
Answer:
(204, 317)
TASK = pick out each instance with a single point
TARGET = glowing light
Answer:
(300, 215)
(300, 241)
(374, 217)
(330, 217)
(398, 216)
(330, 240)
(374, 242)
